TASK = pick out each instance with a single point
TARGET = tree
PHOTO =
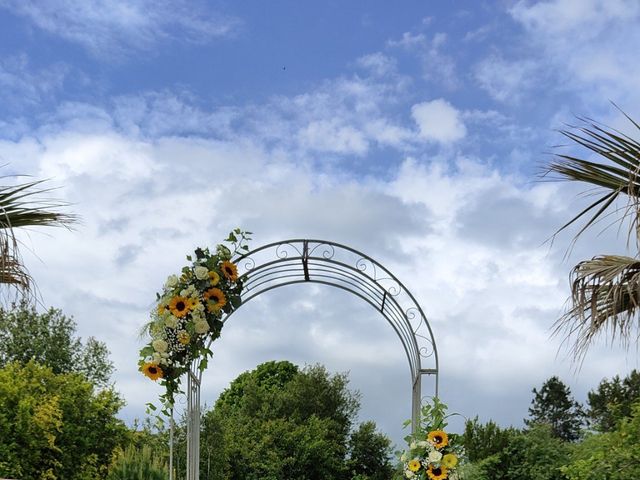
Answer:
(605, 290)
(481, 441)
(613, 455)
(553, 405)
(532, 455)
(21, 206)
(55, 426)
(280, 422)
(613, 401)
(49, 338)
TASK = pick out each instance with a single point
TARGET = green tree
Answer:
(532, 455)
(24, 205)
(613, 455)
(369, 453)
(612, 401)
(280, 422)
(481, 441)
(604, 290)
(55, 426)
(553, 405)
(49, 338)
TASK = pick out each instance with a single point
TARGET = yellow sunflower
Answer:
(230, 271)
(438, 438)
(215, 299)
(450, 460)
(161, 308)
(214, 278)
(414, 465)
(437, 473)
(152, 370)
(179, 306)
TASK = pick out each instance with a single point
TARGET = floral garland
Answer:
(188, 314)
(432, 453)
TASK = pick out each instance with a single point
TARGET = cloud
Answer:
(438, 121)
(116, 27)
(507, 81)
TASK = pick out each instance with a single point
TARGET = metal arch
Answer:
(297, 261)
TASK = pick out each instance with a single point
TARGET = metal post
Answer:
(193, 425)
(416, 399)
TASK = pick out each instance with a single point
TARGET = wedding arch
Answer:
(323, 262)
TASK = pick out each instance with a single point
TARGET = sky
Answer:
(413, 132)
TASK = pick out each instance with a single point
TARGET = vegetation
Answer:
(612, 401)
(138, 464)
(49, 339)
(554, 406)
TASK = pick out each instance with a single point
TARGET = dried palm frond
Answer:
(21, 206)
(605, 296)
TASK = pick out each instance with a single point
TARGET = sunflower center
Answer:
(215, 298)
(180, 306)
(437, 471)
(438, 439)
(153, 370)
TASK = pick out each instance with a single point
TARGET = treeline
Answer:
(562, 438)
(58, 420)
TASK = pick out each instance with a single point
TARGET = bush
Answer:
(138, 464)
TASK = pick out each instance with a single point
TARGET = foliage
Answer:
(553, 405)
(604, 290)
(188, 314)
(433, 453)
(49, 338)
(481, 441)
(55, 426)
(532, 455)
(612, 401)
(613, 455)
(369, 453)
(280, 422)
(23, 205)
(138, 464)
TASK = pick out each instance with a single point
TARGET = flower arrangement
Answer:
(432, 453)
(188, 314)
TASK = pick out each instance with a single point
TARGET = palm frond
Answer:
(24, 205)
(617, 175)
(605, 298)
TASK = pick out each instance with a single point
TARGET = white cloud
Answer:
(21, 84)
(114, 27)
(438, 121)
(507, 81)
(378, 63)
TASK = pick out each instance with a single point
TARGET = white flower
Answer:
(403, 457)
(202, 273)
(202, 327)
(157, 358)
(424, 444)
(409, 474)
(171, 282)
(435, 456)
(171, 321)
(412, 446)
(160, 345)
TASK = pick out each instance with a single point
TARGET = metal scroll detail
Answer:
(298, 261)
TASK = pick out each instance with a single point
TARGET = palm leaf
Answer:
(605, 296)
(21, 206)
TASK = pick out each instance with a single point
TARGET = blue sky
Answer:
(411, 132)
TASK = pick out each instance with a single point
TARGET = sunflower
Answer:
(414, 465)
(161, 308)
(438, 438)
(437, 473)
(450, 460)
(152, 370)
(179, 306)
(215, 299)
(230, 271)
(214, 278)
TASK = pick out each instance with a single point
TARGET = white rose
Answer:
(202, 327)
(171, 282)
(160, 345)
(423, 444)
(157, 358)
(171, 322)
(202, 273)
(412, 446)
(409, 474)
(403, 457)
(435, 456)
